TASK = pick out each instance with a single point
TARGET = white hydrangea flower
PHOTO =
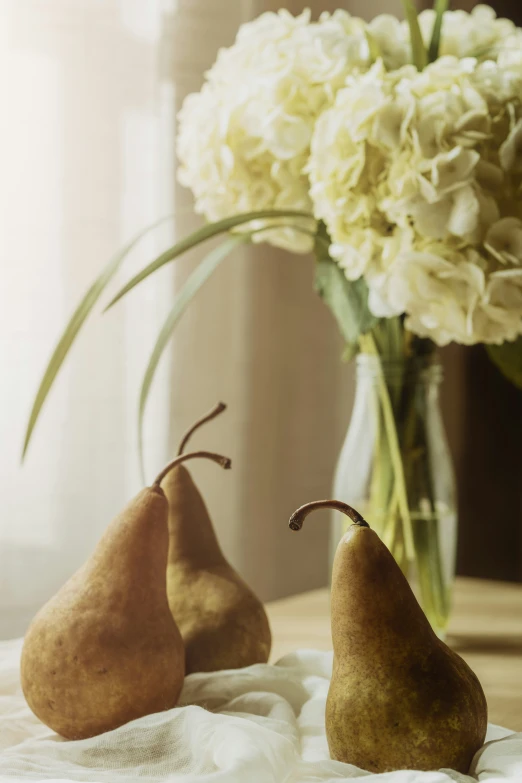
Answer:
(416, 175)
(439, 295)
(448, 296)
(243, 141)
(436, 159)
(477, 34)
(504, 241)
(392, 41)
(510, 152)
(508, 54)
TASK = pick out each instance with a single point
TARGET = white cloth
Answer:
(263, 724)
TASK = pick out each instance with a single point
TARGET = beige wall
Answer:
(258, 338)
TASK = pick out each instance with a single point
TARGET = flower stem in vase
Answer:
(401, 500)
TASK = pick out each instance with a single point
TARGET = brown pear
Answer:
(399, 698)
(106, 650)
(222, 622)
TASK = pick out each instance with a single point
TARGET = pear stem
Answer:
(299, 516)
(216, 410)
(225, 462)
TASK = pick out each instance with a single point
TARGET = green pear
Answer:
(399, 698)
(222, 622)
(106, 650)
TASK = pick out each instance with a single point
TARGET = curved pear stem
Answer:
(225, 463)
(299, 516)
(216, 410)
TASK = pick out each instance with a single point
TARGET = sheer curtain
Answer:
(90, 89)
(84, 164)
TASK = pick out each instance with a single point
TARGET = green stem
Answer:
(440, 7)
(402, 474)
(435, 595)
(418, 476)
(368, 345)
(419, 55)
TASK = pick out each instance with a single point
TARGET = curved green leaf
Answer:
(347, 300)
(201, 235)
(419, 55)
(73, 327)
(440, 7)
(195, 281)
(508, 358)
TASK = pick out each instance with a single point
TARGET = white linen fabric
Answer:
(262, 724)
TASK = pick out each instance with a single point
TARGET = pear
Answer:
(399, 698)
(106, 650)
(222, 622)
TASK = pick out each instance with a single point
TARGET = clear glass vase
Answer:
(395, 468)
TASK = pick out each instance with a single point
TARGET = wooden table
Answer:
(486, 629)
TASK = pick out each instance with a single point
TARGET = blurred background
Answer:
(90, 90)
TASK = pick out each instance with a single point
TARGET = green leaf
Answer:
(201, 235)
(419, 55)
(440, 7)
(195, 281)
(73, 327)
(350, 351)
(508, 358)
(347, 300)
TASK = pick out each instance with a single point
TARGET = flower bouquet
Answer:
(393, 151)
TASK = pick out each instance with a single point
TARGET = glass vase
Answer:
(395, 469)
